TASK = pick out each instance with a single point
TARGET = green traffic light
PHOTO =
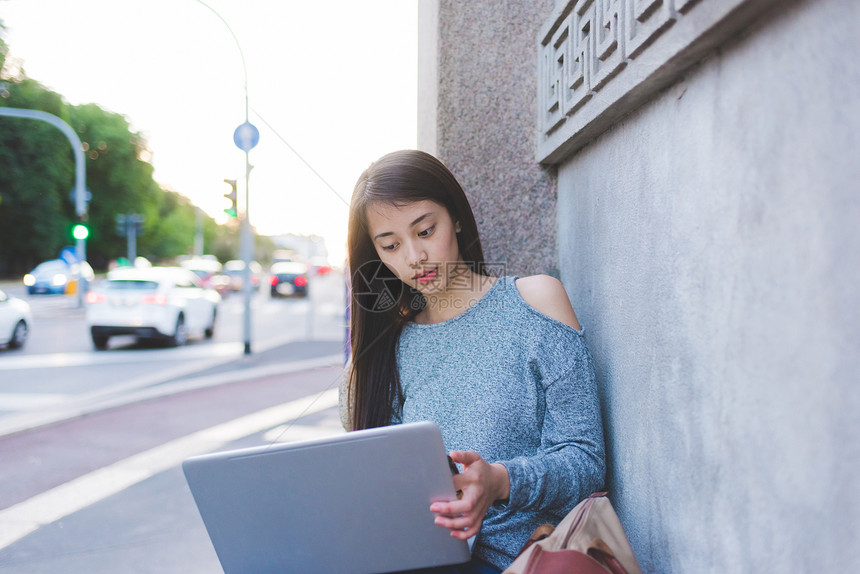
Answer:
(232, 197)
(80, 231)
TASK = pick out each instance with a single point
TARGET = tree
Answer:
(172, 232)
(36, 178)
(119, 180)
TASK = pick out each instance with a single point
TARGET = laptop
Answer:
(356, 503)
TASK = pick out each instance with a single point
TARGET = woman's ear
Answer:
(457, 226)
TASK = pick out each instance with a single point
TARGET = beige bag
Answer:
(589, 540)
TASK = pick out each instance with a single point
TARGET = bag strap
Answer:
(561, 562)
(606, 558)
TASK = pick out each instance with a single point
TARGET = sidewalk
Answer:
(279, 360)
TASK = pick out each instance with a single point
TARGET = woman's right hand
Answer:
(482, 484)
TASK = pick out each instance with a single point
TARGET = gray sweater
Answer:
(518, 388)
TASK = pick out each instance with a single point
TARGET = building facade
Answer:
(690, 169)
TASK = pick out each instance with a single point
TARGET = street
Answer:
(104, 492)
(58, 369)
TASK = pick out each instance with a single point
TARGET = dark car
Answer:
(289, 279)
(235, 270)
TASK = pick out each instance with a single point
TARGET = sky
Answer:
(335, 81)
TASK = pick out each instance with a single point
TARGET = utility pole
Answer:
(130, 225)
(245, 137)
(198, 235)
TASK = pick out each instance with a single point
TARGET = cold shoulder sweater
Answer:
(517, 387)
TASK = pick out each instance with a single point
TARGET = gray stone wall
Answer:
(708, 238)
(709, 242)
(485, 127)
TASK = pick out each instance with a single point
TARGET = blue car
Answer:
(52, 277)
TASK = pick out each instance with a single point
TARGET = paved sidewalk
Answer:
(281, 359)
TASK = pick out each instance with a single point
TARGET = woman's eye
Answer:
(426, 232)
(389, 247)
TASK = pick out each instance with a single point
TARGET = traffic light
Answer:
(232, 196)
(80, 231)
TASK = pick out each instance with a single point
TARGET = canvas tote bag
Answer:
(589, 540)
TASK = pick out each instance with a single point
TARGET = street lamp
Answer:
(245, 137)
(80, 193)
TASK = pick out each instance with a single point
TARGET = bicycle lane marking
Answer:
(28, 516)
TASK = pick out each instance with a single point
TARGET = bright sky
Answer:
(336, 80)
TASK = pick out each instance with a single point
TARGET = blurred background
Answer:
(158, 315)
(155, 91)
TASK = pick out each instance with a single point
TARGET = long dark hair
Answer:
(381, 304)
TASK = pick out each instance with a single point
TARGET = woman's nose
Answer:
(416, 255)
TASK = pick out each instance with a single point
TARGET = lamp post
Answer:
(80, 193)
(245, 137)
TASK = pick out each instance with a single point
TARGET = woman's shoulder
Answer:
(548, 296)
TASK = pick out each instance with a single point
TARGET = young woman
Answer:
(499, 363)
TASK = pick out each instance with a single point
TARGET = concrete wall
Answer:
(428, 74)
(485, 124)
(709, 242)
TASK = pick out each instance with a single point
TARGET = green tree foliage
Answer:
(172, 233)
(37, 178)
(119, 180)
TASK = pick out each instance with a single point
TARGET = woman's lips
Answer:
(427, 277)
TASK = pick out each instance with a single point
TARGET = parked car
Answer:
(56, 276)
(15, 321)
(206, 268)
(319, 266)
(289, 278)
(166, 303)
(235, 270)
(221, 283)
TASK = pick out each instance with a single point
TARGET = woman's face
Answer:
(417, 242)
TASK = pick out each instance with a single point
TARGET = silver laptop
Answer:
(353, 503)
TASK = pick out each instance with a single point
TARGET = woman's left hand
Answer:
(482, 484)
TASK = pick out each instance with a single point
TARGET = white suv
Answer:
(15, 321)
(166, 303)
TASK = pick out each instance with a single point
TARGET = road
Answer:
(58, 370)
(105, 492)
(59, 323)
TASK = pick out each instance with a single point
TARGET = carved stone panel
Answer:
(592, 68)
(684, 5)
(551, 71)
(647, 20)
(610, 41)
(581, 63)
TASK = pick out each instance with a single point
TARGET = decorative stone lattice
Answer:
(600, 58)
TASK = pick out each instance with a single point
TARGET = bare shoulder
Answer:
(548, 296)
